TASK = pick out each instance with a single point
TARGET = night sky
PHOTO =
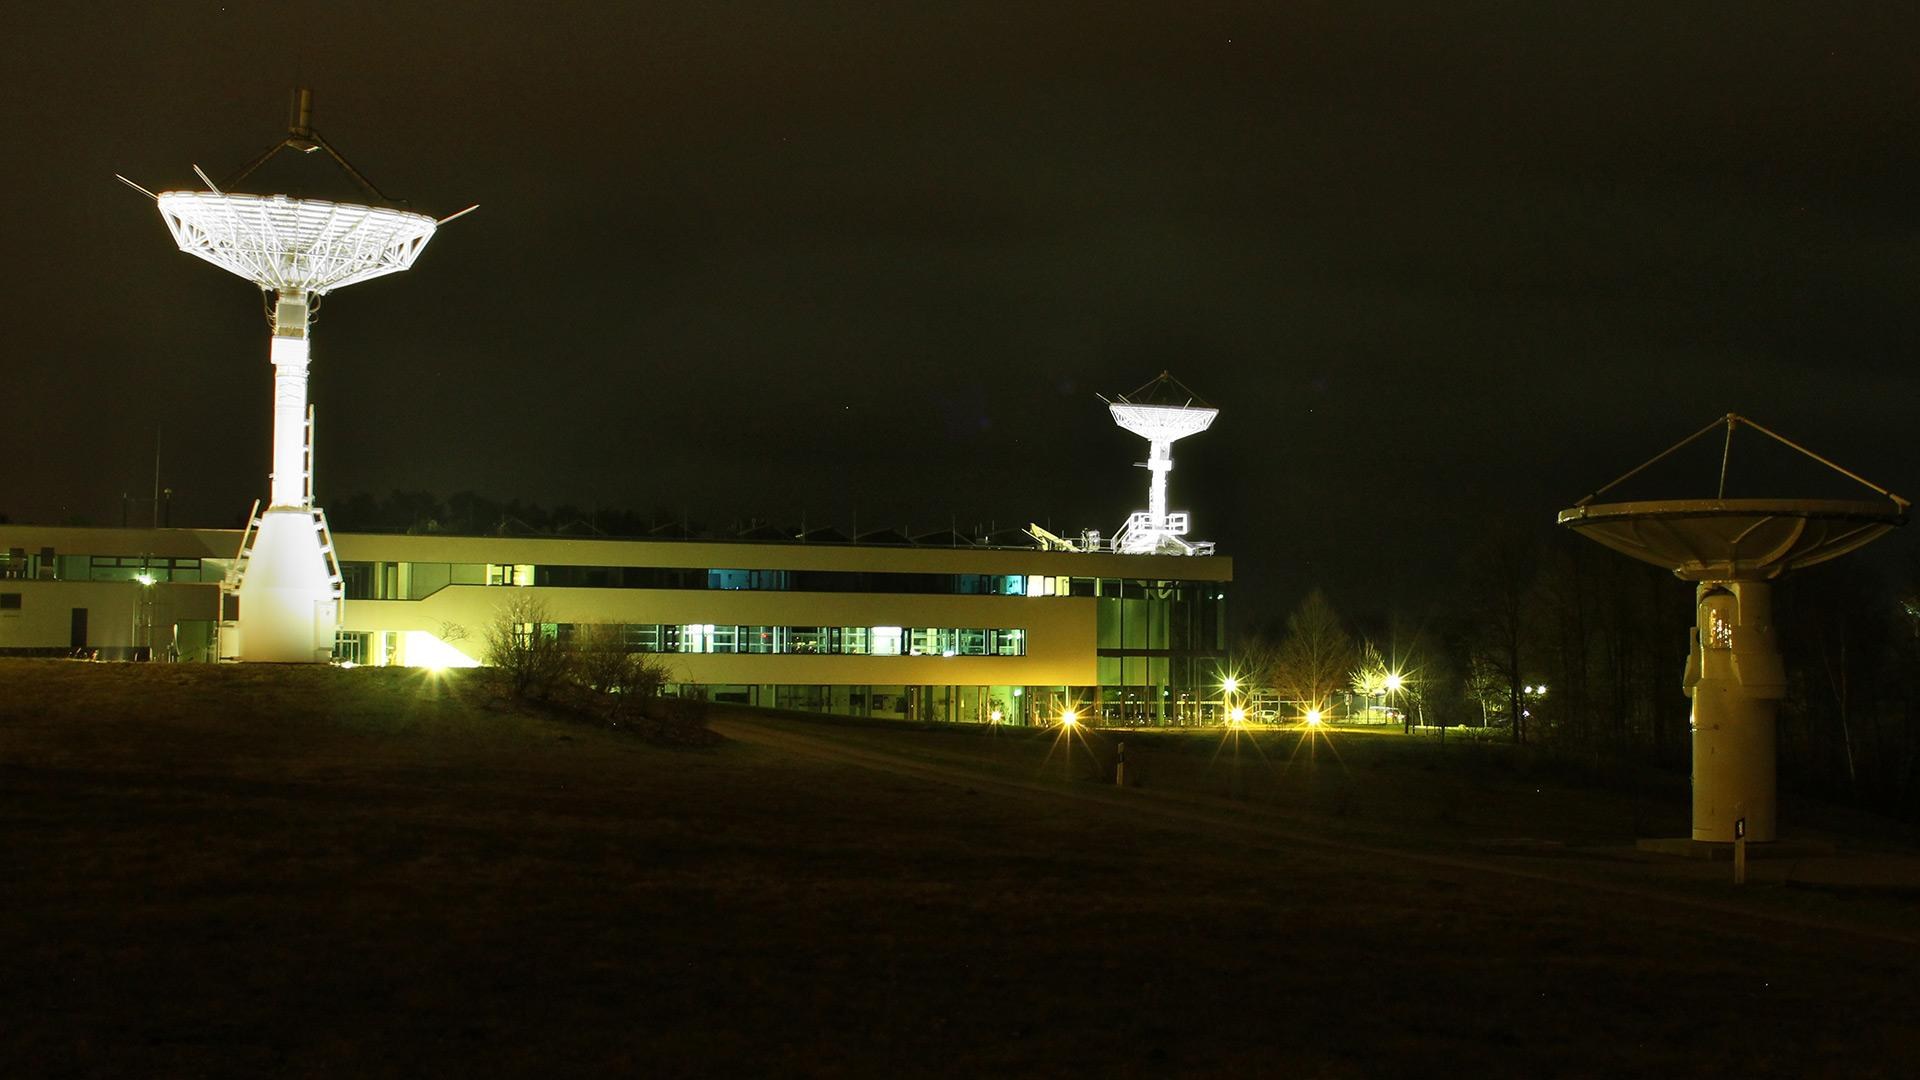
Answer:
(736, 261)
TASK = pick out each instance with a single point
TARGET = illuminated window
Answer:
(1719, 630)
(350, 647)
(924, 641)
(520, 574)
(695, 638)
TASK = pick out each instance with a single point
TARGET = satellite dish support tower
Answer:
(288, 581)
(1161, 412)
(1733, 550)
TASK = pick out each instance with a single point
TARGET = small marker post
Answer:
(1120, 765)
(1740, 851)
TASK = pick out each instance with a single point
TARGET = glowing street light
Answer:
(1238, 714)
(1313, 717)
(1230, 684)
(1070, 717)
(1394, 682)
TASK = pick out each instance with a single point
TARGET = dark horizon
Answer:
(1434, 268)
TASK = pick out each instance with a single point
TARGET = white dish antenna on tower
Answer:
(296, 250)
(1161, 412)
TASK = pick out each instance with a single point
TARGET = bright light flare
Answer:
(1070, 717)
(145, 579)
(1394, 682)
(1230, 684)
(1313, 717)
(996, 716)
(1238, 715)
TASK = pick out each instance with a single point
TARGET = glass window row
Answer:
(417, 580)
(818, 640)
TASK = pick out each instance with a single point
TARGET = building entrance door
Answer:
(78, 638)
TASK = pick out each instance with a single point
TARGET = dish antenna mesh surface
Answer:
(1733, 549)
(1160, 412)
(296, 250)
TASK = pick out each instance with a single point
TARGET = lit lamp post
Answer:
(143, 615)
(1228, 687)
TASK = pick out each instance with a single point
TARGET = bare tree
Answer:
(524, 644)
(1497, 574)
(1256, 660)
(1369, 675)
(610, 668)
(1316, 654)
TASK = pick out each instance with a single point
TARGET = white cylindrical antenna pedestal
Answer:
(1735, 678)
(289, 356)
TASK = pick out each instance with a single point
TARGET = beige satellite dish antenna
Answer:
(1733, 549)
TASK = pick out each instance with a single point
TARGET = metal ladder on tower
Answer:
(335, 580)
(238, 570)
(227, 626)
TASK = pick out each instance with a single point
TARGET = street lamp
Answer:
(143, 615)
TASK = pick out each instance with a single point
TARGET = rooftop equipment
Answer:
(296, 250)
(1160, 412)
(1733, 550)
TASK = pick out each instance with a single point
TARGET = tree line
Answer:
(1558, 642)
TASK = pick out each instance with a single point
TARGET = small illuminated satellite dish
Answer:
(296, 250)
(1161, 412)
(1733, 549)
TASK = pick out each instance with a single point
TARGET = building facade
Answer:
(909, 632)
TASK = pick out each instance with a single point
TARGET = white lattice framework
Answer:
(1154, 530)
(1162, 423)
(280, 243)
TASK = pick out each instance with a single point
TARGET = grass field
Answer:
(268, 871)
